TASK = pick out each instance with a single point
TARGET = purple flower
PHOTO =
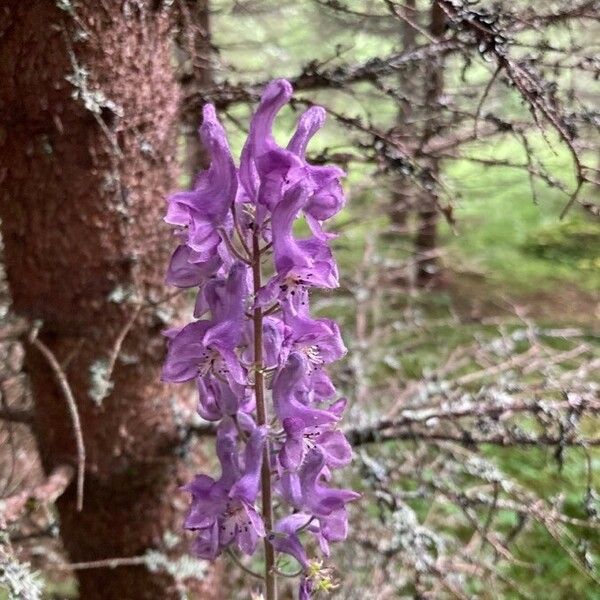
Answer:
(305, 491)
(208, 347)
(300, 439)
(206, 208)
(274, 332)
(309, 261)
(218, 399)
(291, 395)
(223, 511)
(260, 139)
(328, 197)
(306, 589)
(267, 170)
(184, 272)
(231, 220)
(299, 263)
(319, 339)
(285, 536)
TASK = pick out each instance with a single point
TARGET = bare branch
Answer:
(63, 382)
(16, 415)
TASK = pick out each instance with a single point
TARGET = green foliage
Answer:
(508, 237)
(573, 242)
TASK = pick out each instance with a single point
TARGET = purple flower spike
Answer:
(229, 224)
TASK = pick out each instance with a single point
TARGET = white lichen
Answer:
(94, 100)
(17, 580)
(121, 294)
(100, 382)
(182, 568)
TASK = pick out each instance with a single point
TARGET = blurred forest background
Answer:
(470, 259)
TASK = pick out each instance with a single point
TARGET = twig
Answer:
(505, 440)
(119, 341)
(242, 566)
(18, 415)
(61, 379)
(486, 91)
(106, 563)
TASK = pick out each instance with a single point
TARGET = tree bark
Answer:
(197, 74)
(88, 112)
(425, 243)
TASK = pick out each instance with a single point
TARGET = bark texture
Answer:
(196, 75)
(88, 110)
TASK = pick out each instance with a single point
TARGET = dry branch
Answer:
(63, 382)
(16, 415)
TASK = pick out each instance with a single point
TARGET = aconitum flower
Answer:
(208, 347)
(257, 356)
(206, 208)
(223, 511)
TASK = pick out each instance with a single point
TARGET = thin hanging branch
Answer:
(63, 383)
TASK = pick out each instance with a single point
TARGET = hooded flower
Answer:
(328, 197)
(263, 163)
(268, 170)
(206, 208)
(291, 395)
(183, 272)
(318, 339)
(285, 536)
(208, 347)
(300, 439)
(218, 399)
(222, 511)
(305, 491)
(299, 263)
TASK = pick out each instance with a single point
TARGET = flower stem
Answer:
(262, 418)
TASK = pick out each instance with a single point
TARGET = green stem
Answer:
(262, 417)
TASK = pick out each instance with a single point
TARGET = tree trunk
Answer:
(403, 192)
(195, 64)
(87, 153)
(425, 244)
